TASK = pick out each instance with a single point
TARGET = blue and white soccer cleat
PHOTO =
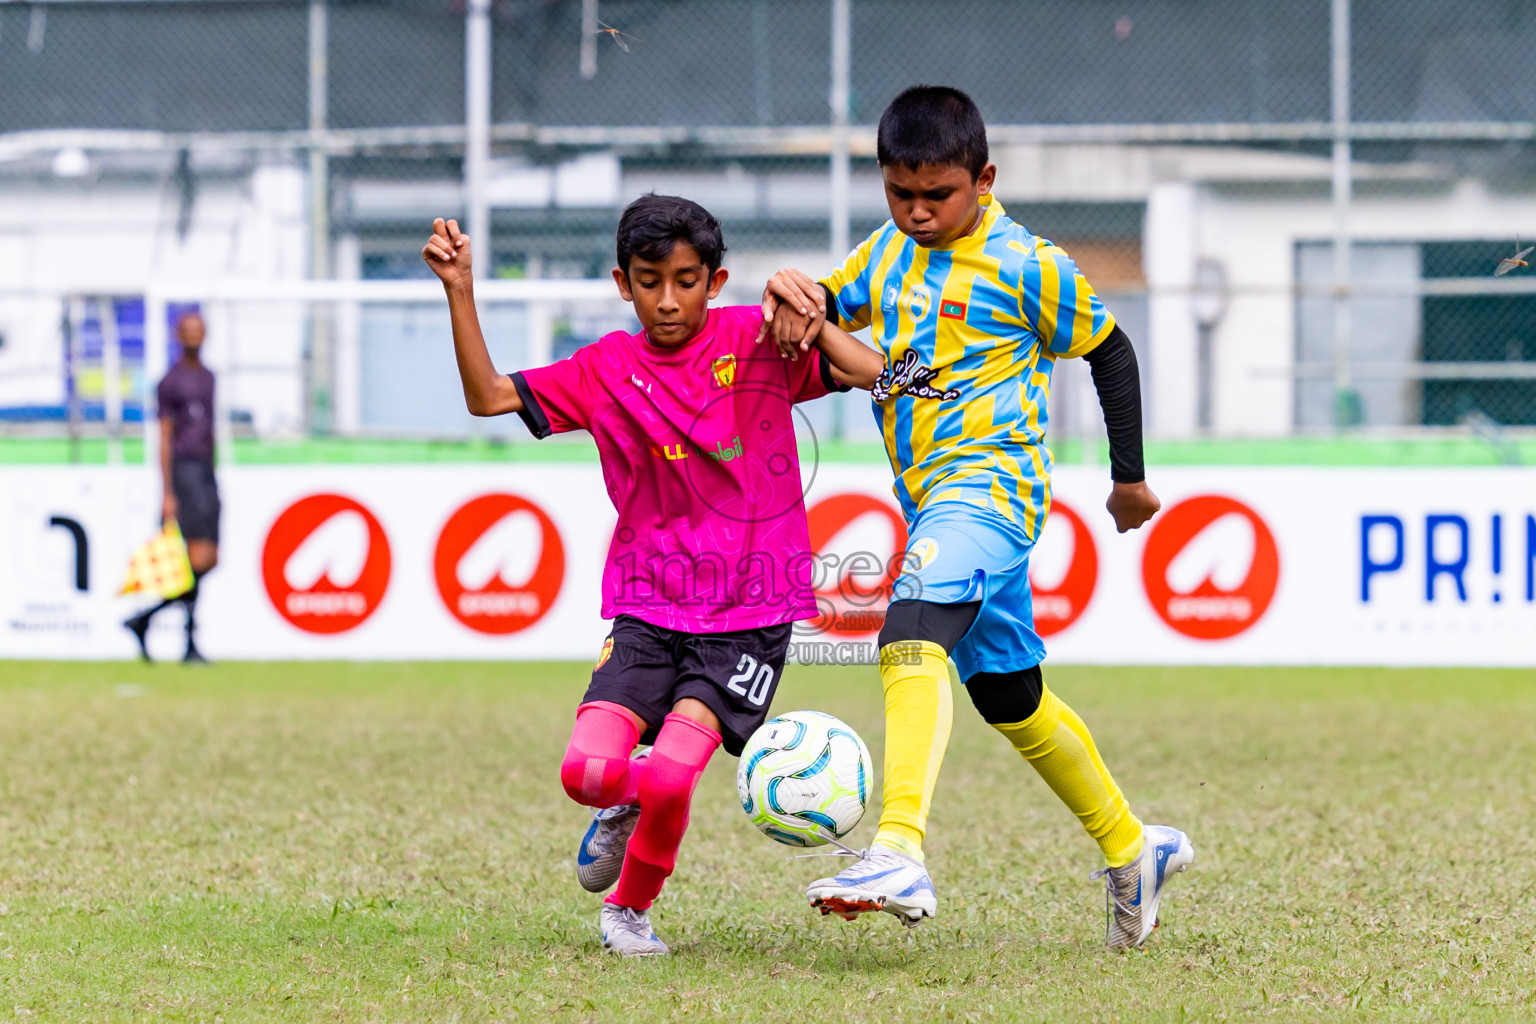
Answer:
(600, 857)
(627, 932)
(1134, 891)
(881, 879)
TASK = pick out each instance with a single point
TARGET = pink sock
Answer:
(596, 770)
(667, 779)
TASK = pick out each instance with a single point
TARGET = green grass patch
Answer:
(339, 842)
(1442, 450)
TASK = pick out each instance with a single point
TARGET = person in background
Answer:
(185, 400)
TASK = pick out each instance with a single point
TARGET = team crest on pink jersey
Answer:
(724, 370)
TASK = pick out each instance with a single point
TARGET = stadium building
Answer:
(1196, 195)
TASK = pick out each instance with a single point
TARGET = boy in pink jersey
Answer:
(710, 562)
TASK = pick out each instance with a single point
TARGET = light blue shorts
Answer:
(958, 553)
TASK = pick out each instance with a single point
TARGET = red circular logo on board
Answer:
(325, 563)
(1058, 606)
(853, 587)
(1210, 567)
(499, 564)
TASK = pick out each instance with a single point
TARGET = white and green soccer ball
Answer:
(804, 778)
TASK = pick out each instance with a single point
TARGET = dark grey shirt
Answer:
(186, 396)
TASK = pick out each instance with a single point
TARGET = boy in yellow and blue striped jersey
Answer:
(972, 311)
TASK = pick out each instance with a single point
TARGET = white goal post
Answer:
(540, 297)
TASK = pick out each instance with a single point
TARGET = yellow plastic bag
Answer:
(160, 566)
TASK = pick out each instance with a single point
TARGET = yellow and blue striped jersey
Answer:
(970, 335)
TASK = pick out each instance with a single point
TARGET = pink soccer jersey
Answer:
(698, 451)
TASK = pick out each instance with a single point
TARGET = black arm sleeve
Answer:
(531, 412)
(831, 305)
(827, 380)
(1115, 378)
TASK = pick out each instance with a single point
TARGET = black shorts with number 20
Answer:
(648, 669)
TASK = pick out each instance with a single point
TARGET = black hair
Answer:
(653, 224)
(932, 124)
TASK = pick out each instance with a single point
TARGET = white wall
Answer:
(1170, 250)
(1252, 229)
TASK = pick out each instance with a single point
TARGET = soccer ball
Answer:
(804, 778)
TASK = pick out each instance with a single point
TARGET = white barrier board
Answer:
(1242, 566)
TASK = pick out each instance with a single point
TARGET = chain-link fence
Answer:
(1187, 154)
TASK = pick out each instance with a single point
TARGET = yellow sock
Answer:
(919, 708)
(1058, 744)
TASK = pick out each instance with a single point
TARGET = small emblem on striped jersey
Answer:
(952, 310)
(919, 302)
(921, 553)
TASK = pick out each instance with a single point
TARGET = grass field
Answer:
(390, 842)
(1447, 448)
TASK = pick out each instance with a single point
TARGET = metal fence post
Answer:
(156, 363)
(321, 364)
(588, 56)
(840, 185)
(839, 102)
(112, 379)
(477, 130)
(1346, 411)
(74, 356)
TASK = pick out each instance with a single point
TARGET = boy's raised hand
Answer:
(1132, 505)
(447, 253)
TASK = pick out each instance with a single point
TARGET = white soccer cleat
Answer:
(1133, 892)
(627, 932)
(881, 879)
(600, 858)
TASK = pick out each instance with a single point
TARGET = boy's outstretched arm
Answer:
(853, 362)
(486, 392)
(1118, 382)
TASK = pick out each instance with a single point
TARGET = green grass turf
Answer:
(1443, 450)
(328, 842)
